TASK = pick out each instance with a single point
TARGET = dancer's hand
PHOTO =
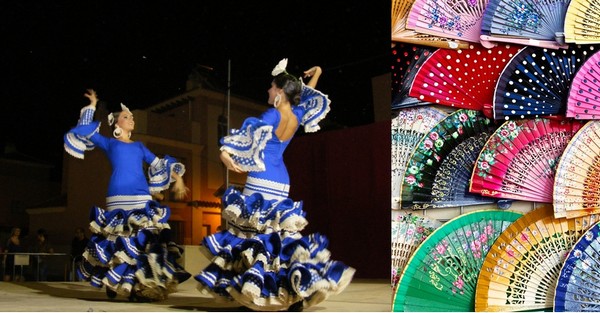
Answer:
(91, 94)
(314, 73)
(230, 163)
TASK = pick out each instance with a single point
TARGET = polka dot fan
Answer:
(407, 59)
(462, 78)
(584, 95)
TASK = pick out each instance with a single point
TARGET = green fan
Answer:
(442, 273)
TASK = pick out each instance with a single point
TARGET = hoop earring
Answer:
(276, 101)
(117, 132)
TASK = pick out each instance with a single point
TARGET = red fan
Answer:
(518, 161)
(407, 59)
(400, 10)
(458, 19)
(577, 182)
(584, 95)
(462, 78)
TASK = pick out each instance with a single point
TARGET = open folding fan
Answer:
(578, 287)
(438, 170)
(584, 95)
(536, 81)
(457, 19)
(408, 128)
(400, 33)
(442, 273)
(522, 267)
(462, 78)
(528, 22)
(577, 180)
(519, 160)
(409, 230)
(406, 61)
(581, 22)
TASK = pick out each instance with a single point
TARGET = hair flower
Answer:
(124, 108)
(280, 67)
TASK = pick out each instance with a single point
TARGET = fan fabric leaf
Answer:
(407, 59)
(581, 22)
(462, 78)
(519, 160)
(584, 94)
(535, 83)
(534, 23)
(577, 181)
(522, 267)
(457, 19)
(442, 273)
(408, 128)
(409, 230)
(578, 287)
(438, 171)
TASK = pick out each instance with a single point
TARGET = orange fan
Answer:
(518, 161)
(462, 78)
(577, 181)
(522, 267)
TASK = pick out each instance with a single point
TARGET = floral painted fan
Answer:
(578, 287)
(438, 170)
(577, 181)
(457, 19)
(581, 22)
(536, 81)
(407, 59)
(528, 22)
(408, 128)
(519, 160)
(442, 273)
(409, 230)
(462, 78)
(400, 33)
(522, 267)
(584, 95)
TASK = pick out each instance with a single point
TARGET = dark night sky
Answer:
(141, 53)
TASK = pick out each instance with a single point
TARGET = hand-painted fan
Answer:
(438, 170)
(457, 19)
(577, 181)
(519, 160)
(409, 230)
(407, 59)
(584, 95)
(578, 287)
(400, 33)
(536, 81)
(581, 22)
(522, 267)
(408, 128)
(442, 273)
(463, 79)
(527, 22)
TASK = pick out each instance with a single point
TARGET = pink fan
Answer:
(457, 19)
(519, 160)
(584, 95)
(463, 79)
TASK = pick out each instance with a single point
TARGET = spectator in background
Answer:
(78, 245)
(40, 263)
(13, 244)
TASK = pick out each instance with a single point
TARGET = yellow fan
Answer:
(522, 267)
(577, 180)
(400, 33)
(581, 22)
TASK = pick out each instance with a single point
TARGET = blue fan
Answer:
(536, 82)
(407, 59)
(529, 22)
(578, 287)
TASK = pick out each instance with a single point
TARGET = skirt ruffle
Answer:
(266, 266)
(131, 250)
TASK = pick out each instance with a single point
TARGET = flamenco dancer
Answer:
(262, 261)
(130, 251)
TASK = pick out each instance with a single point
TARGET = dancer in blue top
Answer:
(262, 261)
(130, 251)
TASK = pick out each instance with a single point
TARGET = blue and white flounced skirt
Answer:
(131, 250)
(263, 262)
